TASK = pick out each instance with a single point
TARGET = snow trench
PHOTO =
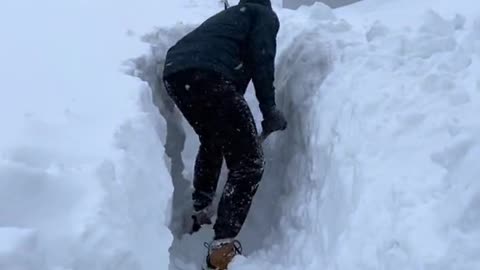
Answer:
(287, 153)
(377, 167)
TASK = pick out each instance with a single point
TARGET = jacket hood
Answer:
(260, 2)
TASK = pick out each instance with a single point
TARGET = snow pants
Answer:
(226, 129)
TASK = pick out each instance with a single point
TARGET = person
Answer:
(206, 73)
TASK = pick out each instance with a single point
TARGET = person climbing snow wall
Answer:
(206, 74)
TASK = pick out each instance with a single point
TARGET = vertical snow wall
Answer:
(376, 170)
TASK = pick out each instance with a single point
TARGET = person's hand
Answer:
(273, 121)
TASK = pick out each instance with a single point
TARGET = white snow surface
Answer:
(377, 170)
(83, 181)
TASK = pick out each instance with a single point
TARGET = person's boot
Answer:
(221, 253)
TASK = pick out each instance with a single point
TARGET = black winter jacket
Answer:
(239, 43)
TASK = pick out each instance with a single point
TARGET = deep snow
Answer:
(376, 171)
(83, 182)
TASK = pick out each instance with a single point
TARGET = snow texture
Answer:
(83, 181)
(377, 170)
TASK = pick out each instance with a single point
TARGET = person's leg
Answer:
(244, 157)
(243, 154)
(190, 92)
(208, 165)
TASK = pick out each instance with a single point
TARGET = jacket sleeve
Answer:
(262, 50)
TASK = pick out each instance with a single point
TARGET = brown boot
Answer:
(221, 253)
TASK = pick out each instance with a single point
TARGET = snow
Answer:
(399, 13)
(83, 181)
(19, 250)
(365, 186)
(377, 169)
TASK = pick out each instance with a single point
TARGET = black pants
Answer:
(224, 123)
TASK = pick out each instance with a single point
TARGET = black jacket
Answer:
(239, 43)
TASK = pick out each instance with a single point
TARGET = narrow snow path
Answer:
(285, 152)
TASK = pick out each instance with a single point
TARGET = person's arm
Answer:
(262, 51)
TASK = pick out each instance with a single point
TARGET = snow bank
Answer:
(19, 250)
(401, 13)
(377, 168)
(83, 179)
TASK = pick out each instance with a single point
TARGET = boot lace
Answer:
(236, 245)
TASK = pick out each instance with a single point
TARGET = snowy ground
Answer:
(376, 171)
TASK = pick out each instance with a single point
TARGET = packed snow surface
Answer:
(377, 169)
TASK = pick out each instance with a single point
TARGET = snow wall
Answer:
(83, 180)
(377, 169)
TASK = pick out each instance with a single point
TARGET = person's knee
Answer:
(258, 167)
(210, 148)
(259, 161)
(251, 168)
